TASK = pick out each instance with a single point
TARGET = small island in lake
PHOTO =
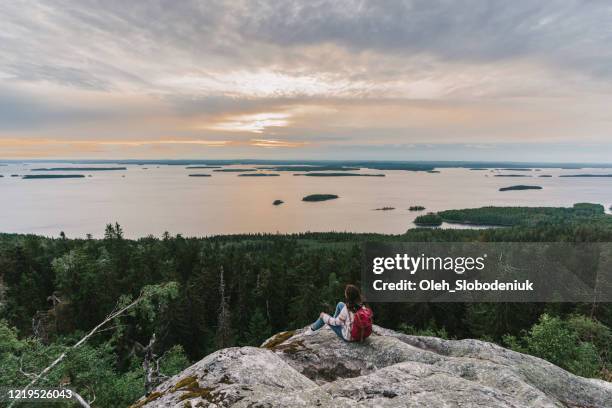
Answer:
(586, 175)
(338, 175)
(51, 176)
(80, 169)
(200, 175)
(416, 208)
(308, 168)
(544, 175)
(204, 167)
(319, 197)
(277, 202)
(384, 209)
(515, 169)
(234, 170)
(428, 220)
(259, 175)
(520, 187)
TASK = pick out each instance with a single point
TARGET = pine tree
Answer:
(224, 328)
(259, 329)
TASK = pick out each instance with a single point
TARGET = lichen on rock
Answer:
(389, 369)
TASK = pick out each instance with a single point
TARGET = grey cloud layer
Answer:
(68, 63)
(88, 43)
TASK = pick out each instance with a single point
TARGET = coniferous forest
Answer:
(187, 297)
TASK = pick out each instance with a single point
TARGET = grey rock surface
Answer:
(389, 369)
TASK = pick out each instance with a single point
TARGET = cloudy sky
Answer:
(405, 80)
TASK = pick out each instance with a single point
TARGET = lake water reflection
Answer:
(152, 199)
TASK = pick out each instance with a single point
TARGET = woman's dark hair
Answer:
(353, 297)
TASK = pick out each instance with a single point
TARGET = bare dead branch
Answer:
(29, 375)
(117, 311)
(80, 400)
(92, 392)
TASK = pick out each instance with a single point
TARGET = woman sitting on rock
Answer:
(352, 321)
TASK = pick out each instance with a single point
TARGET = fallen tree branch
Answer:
(80, 400)
(115, 313)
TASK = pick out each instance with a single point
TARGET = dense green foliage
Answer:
(578, 344)
(527, 216)
(428, 220)
(237, 290)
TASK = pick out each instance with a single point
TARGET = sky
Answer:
(341, 79)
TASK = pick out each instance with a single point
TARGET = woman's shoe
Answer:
(309, 331)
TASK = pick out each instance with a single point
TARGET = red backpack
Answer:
(362, 324)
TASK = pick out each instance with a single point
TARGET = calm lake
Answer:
(153, 199)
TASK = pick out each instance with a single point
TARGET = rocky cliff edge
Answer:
(390, 369)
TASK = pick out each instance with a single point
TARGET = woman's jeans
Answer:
(337, 329)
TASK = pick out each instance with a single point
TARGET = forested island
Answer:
(320, 197)
(277, 202)
(520, 187)
(80, 169)
(50, 176)
(525, 216)
(428, 220)
(309, 168)
(199, 175)
(416, 208)
(234, 170)
(384, 209)
(586, 175)
(259, 175)
(515, 169)
(197, 295)
(339, 175)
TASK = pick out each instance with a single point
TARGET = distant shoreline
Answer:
(418, 165)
